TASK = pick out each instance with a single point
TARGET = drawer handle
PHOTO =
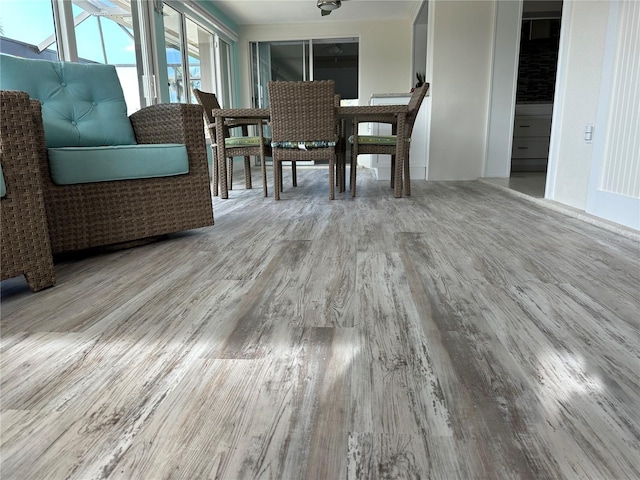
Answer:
(523, 148)
(525, 126)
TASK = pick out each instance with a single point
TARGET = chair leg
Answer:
(264, 176)
(341, 169)
(230, 174)
(352, 177)
(247, 173)
(393, 170)
(407, 176)
(214, 165)
(332, 180)
(276, 179)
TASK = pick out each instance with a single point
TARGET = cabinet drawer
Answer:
(530, 147)
(539, 126)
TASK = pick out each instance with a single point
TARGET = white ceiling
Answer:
(255, 12)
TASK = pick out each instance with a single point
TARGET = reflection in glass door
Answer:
(287, 60)
(327, 59)
(191, 62)
(105, 34)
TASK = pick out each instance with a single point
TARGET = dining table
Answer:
(371, 113)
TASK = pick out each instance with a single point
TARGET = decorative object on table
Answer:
(420, 77)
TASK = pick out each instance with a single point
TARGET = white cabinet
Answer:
(531, 132)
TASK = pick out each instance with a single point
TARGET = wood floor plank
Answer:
(460, 333)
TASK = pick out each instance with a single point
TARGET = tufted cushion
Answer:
(82, 104)
(71, 165)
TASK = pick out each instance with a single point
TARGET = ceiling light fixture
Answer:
(327, 6)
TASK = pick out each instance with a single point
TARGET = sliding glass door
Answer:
(286, 60)
(325, 59)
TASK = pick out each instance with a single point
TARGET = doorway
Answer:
(537, 67)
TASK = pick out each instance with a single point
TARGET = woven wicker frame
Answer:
(412, 112)
(107, 213)
(302, 111)
(24, 237)
(210, 103)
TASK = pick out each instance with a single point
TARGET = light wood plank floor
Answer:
(461, 333)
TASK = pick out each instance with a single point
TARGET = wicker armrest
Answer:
(167, 123)
(241, 113)
(24, 233)
(371, 110)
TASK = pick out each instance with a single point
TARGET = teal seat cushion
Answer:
(245, 141)
(3, 186)
(72, 165)
(82, 104)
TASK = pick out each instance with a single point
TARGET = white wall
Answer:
(580, 64)
(459, 69)
(385, 51)
(503, 89)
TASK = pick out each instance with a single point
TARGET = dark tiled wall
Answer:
(537, 67)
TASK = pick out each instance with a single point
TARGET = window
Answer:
(121, 33)
(104, 34)
(196, 58)
(27, 30)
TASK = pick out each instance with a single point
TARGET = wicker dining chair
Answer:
(386, 145)
(24, 235)
(243, 145)
(303, 126)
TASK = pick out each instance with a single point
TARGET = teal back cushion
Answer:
(82, 104)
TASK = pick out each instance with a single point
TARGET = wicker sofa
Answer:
(101, 190)
(24, 238)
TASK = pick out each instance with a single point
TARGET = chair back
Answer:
(414, 105)
(82, 104)
(209, 101)
(302, 111)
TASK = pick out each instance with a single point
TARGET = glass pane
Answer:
(28, 29)
(287, 60)
(225, 73)
(337, 59)
(199, 43)
(173, 41)
(104, 34)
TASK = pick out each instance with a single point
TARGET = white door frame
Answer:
(616, 207)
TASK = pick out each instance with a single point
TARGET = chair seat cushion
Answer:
(245, 141)
(303, 145)
(72, 165)
(375, 139)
